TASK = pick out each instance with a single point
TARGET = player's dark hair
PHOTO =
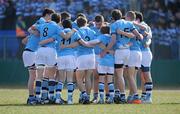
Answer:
(81, 21)
(47, 11)
(131, 15)
(65, 15)
(56, 17)
(139, 16)
(105, 29)
(116, 14)
(67, 24)
(81, 15)
(99, 18)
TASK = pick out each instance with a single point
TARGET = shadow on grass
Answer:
(169, 103)
(14, 105)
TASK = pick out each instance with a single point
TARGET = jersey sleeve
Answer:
(77, 36)
(132, 27)
(113, 28)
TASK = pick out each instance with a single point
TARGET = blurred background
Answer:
(163, 16)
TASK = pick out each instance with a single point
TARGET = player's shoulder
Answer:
(41, 21)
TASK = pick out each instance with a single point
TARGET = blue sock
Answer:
(117, 92)
(45, 88)
(38, 89)
(31, 97)
(101, 90)
(70, 87)
(51, 85)
(111, 90)
(59, 88)
(149, 87)
(95, 95)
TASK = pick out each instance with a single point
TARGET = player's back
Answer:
(125, 26)
(145, 38)
(97, 33)
(108, 59)
(87, 35)
(33, 40)
(47, 30)
(66, 51)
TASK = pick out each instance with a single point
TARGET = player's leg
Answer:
(59, 87)
(88, 82)
(50, 71)
(106, 89)
(111, 88)
(95, 81)
(121, 57)
(80, 84)
(133, 65)
(29, 60)
(70, 86)
(101, 87)
(40, 66)
(95, 86)
(31, 80)
(60, 79)
(143, 94)
(146, 63)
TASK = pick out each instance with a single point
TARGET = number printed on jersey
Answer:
(63, 41)
(45, 31)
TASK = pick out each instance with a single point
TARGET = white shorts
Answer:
(105, 70)
(29, 58)
(135, 59)
(46, 56)
(86, 62)
(97, 60)
(146, 58)
(122, 56)
(66, 62)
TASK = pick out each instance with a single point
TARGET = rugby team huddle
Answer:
(95, 55)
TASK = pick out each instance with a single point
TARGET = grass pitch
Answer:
(13, 101)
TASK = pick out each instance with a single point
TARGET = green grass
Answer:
(13, 101)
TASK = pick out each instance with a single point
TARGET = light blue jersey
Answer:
(97, 33)
(48, 30)
(108, 59)
(136, 43)
(145, 39)
(74, 25)
(40, 21)
(33, 41)
(86, 34)
(65, 51)
(125, 26)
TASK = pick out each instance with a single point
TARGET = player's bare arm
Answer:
(68, 35)
(127, 34)
(72, 45)
(43, 42)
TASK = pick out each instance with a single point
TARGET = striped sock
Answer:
(51, 85)
(101, 90)
(111, 90)
(70, 87)
(148, 87)
(59, 88)
(117, 92)
(45, 88)
(38, 89)
(95, 95)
